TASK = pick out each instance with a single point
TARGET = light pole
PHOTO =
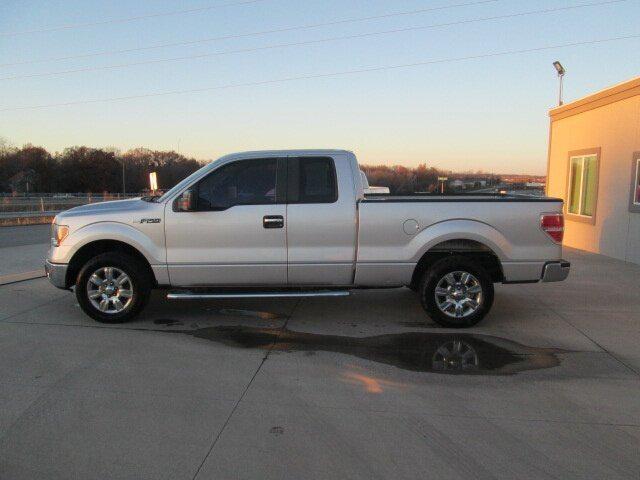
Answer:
(123, 184)
(561, 71)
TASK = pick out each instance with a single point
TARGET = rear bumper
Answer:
(555, 271)
(56, 273)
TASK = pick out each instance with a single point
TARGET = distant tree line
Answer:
(403, 180)
(422, 179)
(96, 170)
(89, 170)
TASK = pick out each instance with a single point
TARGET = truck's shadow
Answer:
(448, 353)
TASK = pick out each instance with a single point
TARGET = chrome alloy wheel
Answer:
(110, 290)
(458, 294)
(455, 355)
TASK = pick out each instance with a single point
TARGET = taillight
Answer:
(553, 225)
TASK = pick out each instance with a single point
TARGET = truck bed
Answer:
(395, 231)
(460, 197)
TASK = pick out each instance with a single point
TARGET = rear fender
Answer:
(460, 230)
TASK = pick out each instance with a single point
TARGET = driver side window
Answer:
(246, 182)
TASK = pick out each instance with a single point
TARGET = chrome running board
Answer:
(187, 295)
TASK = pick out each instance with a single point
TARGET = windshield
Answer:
(180, 185)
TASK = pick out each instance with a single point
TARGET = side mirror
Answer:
(186, 202)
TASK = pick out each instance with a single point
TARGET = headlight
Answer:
(58, 234)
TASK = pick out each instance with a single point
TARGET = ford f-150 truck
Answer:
(303, 223)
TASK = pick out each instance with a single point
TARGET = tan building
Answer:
(594, 165)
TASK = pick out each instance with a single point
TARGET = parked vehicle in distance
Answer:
(302, 223)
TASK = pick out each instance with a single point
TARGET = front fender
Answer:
(152, 248)
(460, 229)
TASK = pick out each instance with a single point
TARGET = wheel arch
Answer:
(97, 247)
(470, 248)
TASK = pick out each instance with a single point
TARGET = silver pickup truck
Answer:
(298, 224)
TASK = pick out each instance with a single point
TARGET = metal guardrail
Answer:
(11, 205)
(112, 195)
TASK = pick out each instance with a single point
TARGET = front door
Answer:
(237, 236)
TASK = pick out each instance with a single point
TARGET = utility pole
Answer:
(124, 191)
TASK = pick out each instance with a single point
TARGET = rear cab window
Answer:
(312, 180)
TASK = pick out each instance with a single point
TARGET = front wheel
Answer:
(456, 292)
(112, 287)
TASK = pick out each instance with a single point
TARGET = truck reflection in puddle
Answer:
(449, 353)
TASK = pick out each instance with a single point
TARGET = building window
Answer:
(583, 185)
(636, 190)
(634, 194)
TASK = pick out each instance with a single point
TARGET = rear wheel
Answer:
(456, 292)
(113, 287)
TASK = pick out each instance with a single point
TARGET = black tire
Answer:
(140, 286)
(437, 272)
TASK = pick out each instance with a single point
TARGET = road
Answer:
(360, 387)
(27, 235)
(23, 249)
(48, 213)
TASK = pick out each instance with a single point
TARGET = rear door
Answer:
(321, 221)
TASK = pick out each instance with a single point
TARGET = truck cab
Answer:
(265, 219)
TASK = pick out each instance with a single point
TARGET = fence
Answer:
(48, 203)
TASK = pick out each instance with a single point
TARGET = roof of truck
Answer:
(284, 153)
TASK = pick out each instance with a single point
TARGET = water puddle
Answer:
(230, 312)
(250, 313)
(169, 322)
(425, 324)
(447, 353)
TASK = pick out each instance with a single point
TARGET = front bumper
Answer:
(555, 271)
(57, 273)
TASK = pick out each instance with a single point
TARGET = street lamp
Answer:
(124, 190)
(561, 71)
(123, 179)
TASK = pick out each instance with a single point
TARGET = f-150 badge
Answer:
(148, 220)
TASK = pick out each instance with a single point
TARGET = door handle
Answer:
(273, 221)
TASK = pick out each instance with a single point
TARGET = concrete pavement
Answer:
(344, 388)
(23, 250)
(28, 235)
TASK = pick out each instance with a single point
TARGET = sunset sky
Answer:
(485, 113)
